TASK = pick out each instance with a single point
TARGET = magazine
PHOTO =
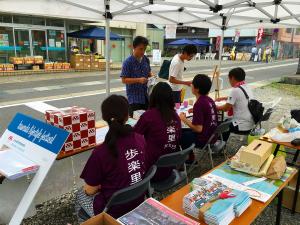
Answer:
(152, 212)
(14, 165)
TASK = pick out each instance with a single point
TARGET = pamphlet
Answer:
(152, 212)
(15, 165)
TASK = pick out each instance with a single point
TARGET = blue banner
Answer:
(42, 134)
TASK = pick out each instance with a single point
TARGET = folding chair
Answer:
(127, 194)
(175, 159)
(216, 147)
(207, 56)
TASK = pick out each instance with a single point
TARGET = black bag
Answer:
(164, 70)
(295, 114)
(255, 107)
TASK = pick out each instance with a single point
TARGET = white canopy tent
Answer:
(222, 14)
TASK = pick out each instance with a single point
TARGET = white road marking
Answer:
(40, 106)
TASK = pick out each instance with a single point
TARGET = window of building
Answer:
(55, 22)
(155, 45)
(56, 45)
(38, 21)
(289, 30)
(7, 48)
(5, 18)
(29, 20)
(74, 28)
(298, 31)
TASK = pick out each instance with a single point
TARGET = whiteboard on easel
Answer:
(37, 141)
(156, 56)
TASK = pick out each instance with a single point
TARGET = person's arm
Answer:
(91, 190)
(195, 128)
(173, 80)
(225, 107)
(129, 80)
(221, 99)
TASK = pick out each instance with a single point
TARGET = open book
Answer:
(152, 212)
(14, 165)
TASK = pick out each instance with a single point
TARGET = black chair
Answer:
(125, 195)
(217, 146)
(175, 159)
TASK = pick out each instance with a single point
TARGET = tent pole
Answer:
(107, 56)
(221, 49)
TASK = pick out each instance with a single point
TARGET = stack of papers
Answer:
(14, 165)
(223, 211)
(203, 191)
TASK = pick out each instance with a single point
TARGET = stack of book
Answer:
(203, 202)
(223, 211)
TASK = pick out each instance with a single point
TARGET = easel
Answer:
(216, 76)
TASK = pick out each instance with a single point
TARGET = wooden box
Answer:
(38, 60)
(256, 153)
(101, 219)
(57, 66)
(9, 67)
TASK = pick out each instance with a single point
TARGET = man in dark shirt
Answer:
(135, 73)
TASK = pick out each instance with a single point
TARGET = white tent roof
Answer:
(197, 13)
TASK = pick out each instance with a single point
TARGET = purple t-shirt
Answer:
(205, 114)
(161, 138)
(114, 174)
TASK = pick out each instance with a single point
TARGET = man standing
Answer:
(177, 68)
(135, 72)
(253, 53)
(268, 54)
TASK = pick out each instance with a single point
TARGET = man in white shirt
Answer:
(253, 53)
(268, 53)
(242, 121)
(177, 68)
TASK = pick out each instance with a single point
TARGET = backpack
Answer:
(255, 107)
(164, 70)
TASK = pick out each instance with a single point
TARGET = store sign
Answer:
(259, 36)
(170, 31)
(39, 142)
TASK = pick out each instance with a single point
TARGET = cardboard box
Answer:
(57, 66)
(87, 65)
(87, 59)
(38, 60)
(256, 153)
(1, 67)
(28, 60)
(288, 195)
(66, 65)
(101, 219)
(36, 68)
(16, 60)
(9, 67)
(94, 65)
(101, 65)
(48, 66)
(79, 122)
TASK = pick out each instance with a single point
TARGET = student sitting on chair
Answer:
(237, 103)
(116, 164)
(204, 121)
(161, 128)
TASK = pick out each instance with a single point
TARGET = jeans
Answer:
(235, 130)
(176, 96)
(190, 137)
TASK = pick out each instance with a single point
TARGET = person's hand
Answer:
(143, 80)
(182, 116)
(188, 83)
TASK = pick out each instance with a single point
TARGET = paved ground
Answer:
(61, 210)
(88, 89)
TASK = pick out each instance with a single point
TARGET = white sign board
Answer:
(170, 31)
(39, 142)
(156, 56)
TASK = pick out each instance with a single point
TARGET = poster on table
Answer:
(32, 141)
(170, 31)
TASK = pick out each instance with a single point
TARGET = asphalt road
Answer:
(88, 89)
